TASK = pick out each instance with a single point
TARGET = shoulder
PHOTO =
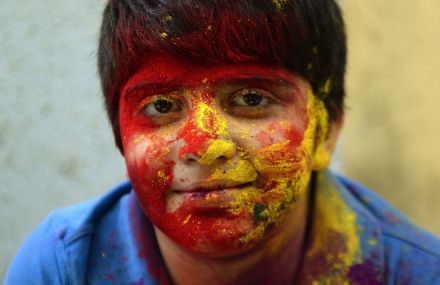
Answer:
(42, 257)
(411, 254)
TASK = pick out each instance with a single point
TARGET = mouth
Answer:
(203, 199)
(216, 188)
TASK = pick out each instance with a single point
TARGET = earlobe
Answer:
(324, 149)
(321, 157)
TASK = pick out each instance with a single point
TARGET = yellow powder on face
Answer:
(162, 177)
(290, 169)
(271, 206)
(275, 160)
(242, 172)
(216, 149)
(244, 199)
(279, 159)
(322, 156)
(139, 138)
(163, 35)
(208, 120)
(316, 133)
(309, 140)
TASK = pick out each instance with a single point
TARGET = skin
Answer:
(224, 182)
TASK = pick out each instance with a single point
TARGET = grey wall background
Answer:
(56, 147)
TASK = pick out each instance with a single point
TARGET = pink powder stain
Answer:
(109, 277)
(139, 282)
(264, 138)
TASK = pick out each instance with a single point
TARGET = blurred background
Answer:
(56, 147)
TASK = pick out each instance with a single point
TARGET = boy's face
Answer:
(218, 156)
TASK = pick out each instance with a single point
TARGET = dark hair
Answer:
(306, 37)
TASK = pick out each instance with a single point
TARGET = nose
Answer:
(208, 153)
(205, 135)
(217, 150)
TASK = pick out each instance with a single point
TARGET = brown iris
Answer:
(252, 98)
(163, 106)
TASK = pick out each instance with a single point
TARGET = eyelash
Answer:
(235, 105)
(144, 104)
(241, 93)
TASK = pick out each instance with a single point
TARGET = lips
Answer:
(204, 199)
(210, 200)
(216, 188)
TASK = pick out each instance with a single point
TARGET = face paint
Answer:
(223, 166)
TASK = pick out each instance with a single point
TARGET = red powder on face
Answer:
(194, 145)
(150, 163)
(172, 71)
(195, 140)
(156, 180)
(294, 136)
(131, 118)
(194, 136)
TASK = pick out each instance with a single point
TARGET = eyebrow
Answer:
(257, 80)
(149, 88)
(164, 86)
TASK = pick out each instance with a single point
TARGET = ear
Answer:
(333, 133)
(324, 149)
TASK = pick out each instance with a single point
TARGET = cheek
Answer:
(280, 153)
(150, 170)
(280, 160)
(279, 131)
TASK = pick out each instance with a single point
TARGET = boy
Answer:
(227, 113)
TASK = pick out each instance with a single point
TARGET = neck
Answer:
(275, 261)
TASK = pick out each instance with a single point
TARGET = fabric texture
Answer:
(354, 237)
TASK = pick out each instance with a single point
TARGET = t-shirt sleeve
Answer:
(39, 259)
(410, 263)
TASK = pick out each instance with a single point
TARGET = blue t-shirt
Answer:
(353, 237)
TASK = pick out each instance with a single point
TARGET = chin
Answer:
(216, 234)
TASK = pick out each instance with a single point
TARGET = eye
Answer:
(251, 103)
(251, 98)
(160, 107)
(163, 106)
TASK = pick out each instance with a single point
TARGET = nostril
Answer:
(189, 157)
(222, 157)
(216, 150)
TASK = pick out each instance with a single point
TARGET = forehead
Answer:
(166, 69)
